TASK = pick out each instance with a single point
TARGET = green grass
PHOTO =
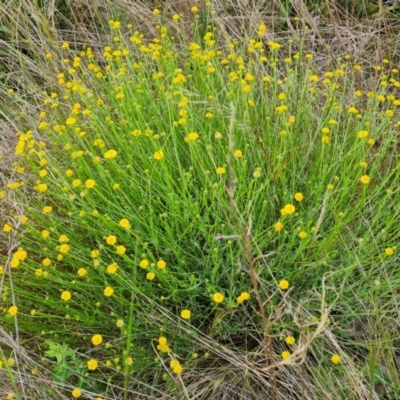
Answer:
(231, 167)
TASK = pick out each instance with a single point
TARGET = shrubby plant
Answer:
(205, 215)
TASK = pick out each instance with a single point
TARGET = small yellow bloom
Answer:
(111, 240)
(161, 264)
(218, 297)
(112, 268)
(285, 355)
(108, 291)
(185, 314)
(121, 250)
(365, 179)
(220, 170)
(90, 183)
(298, 196)
(302, 235)
(76, 393)
(82, 272)
(150, 276)
(389, 251)
(238, 153)
(284, 284)
(278, 226)
(336, 359)
(97, 339)
(128, 360)
(13, 310)
(7, 227)
(66, 295)
(110, 154)
(289, 209)
(124, 223)
(290, 340)
(120, 323)
(92, 364)
(158, 155)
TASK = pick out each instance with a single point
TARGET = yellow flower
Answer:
(128, 360)
(220, 170)
(285, 355)
(64, 249)
(63, 239)
(150, 276)
(336, 359)
(110, 154)
(330, 187)
(238, 153)
(278, 226)
(66, 295)
(41, 187)
(158, 155)
(389, 251)
(76, 182)
(218, 297)
(243, 297)
(302, 235)
(161, 264)
(120, 323)
(97, 339)
(45, 234)
(7, 227)
(121, 250)
(112, 268)
(144, 263)
(274, 45)
(92, 364)
(365, 179)
(13, 311)
(362, 134)
(111, 240)
(76, 393)
(82, 272)
(90, 183)
(289, 209)
(185, 314)
(284, 284)
(176, 366)
(191, 137)
(298, 196)
(65, 45)
(290, 340)
(156, 11)
(47, 209)
(108, 291)
(70, 121)
(46, 262)
(124, 223)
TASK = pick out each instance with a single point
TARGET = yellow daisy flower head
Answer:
(283, 284)
(336, 359)
(97, 339)
(92, 364)
(108, 291)
(66, 295)
(185, 314)
(218, 297)
(111, 240)
(289, 209)
(124, 223)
